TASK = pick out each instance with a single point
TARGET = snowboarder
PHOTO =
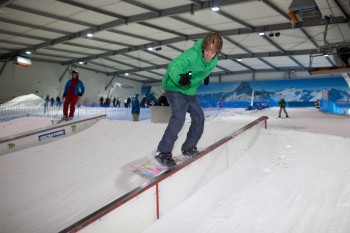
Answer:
(184, 74)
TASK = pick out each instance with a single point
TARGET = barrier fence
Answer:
(38, 108)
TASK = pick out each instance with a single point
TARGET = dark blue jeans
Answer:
(181, 104)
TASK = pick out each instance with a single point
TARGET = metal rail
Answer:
(154, 182)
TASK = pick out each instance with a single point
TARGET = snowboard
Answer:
(153, 169)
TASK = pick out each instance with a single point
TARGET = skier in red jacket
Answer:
(72, 91)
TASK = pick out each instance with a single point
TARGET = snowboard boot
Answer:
(64, 118)
(192, 151)
(70, 118)
(166, 159)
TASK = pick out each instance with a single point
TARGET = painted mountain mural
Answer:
(270, 92)
(297, 91)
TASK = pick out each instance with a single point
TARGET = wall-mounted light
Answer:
(215, 8)
(325, 55)
(28, 52)
(150, 48)
(126, 74)
(239, 59)
(261, 33)
(90, 35)
(23, 61)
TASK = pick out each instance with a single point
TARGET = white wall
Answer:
(43, 79)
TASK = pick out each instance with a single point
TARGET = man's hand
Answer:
(185, 79)
(206, 80)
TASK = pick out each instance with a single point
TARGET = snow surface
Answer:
(294, 178)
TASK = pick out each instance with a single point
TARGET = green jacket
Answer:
(190, 60)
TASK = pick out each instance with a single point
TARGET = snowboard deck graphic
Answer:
(154, 169)
(150, 169)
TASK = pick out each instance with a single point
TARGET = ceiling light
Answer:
(89, 35)
(239, 59)
(325, 55)
(81, 62)
(126, 74)
(28, 52)
(149, 48)
(215, 8)
(261, 33)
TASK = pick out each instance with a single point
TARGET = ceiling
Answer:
(56, 31)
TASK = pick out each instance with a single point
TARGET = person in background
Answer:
(163, 101)
(143, 102)
(58, 101)
(52, 101)
(101, 101)
(282, 104)
(107, 102)
(73, 90)
(46, 104)
(135, 107)
(128, 102)
(181, 80)
(119, 100)
(317, 104)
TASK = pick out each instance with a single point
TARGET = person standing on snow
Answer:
(135, 107)
(46, 104)
(282, 104)
(73, 90)
(184, 74)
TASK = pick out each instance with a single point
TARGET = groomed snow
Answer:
(294, 178)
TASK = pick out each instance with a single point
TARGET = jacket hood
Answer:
(198, 47)
(198, 44)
